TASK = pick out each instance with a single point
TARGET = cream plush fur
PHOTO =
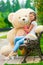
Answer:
(39, 29)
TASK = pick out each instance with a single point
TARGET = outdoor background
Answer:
(8, 6)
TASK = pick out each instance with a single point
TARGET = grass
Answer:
(40, 63)
(4, 36)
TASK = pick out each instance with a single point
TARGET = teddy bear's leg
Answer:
(10, 36)
(5, 50)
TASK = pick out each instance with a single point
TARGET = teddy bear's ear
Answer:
(11, 17)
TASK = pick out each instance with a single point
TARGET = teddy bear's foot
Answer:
(6, 58)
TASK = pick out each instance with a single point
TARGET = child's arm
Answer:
(29, 29)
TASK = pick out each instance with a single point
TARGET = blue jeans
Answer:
(17, 42)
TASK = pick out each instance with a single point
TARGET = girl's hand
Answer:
(26, 27)
(26, 30)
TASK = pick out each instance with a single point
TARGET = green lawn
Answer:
(4, 36)
(40, 63)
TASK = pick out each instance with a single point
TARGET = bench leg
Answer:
(39, 52)
(24, 60)
(26, 55)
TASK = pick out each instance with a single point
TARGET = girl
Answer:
(20, 39)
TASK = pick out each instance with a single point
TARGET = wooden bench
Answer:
(31, 45)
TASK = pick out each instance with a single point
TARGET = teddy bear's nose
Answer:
(23, 19)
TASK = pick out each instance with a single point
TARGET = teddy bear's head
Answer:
(20, 17)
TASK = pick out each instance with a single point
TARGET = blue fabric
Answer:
(17, 38)
(18, 41)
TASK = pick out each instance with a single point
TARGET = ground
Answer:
(16, 60)
(30, 60)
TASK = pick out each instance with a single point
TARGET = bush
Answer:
(4, 23)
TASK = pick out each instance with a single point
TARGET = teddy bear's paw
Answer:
(39, 29)
(5, 50)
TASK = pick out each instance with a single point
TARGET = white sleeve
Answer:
(34, 23)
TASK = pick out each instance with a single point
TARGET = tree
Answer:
(39, 6)
(28, 4)
(2, 6)
(15, 5)
(5, 8)
(8, 6)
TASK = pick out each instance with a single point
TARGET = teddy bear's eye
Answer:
(19, 17)
(25, 15)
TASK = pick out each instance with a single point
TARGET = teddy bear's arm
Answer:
(10, 36)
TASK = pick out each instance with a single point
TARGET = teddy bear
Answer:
(39, 29)
(18, 19)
